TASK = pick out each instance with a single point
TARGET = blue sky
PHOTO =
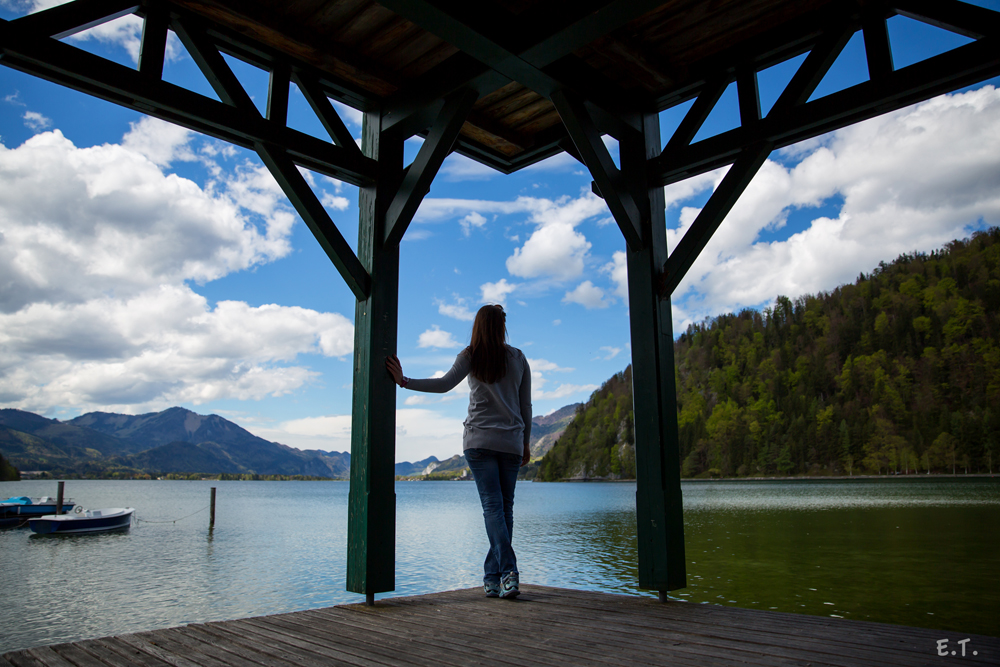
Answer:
(144, 266)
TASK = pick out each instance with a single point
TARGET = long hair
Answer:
(487, 347)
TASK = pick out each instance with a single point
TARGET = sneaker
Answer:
(492, 589)
(509, 586)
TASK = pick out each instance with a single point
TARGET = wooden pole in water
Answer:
(211, 515)
(59, 497)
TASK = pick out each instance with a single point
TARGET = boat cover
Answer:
(20, 500)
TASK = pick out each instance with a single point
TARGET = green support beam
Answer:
(659, 506)
(371, 527)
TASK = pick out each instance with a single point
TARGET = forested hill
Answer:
(898, 372)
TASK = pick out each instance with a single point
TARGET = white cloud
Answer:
(556, 249)
(617, 268)
(586, 294)
(420, 433)
(910, 180)
(435, 337)
(563, 391)
(473, 219)
(496, 293)
(458, 310)
(35, 120)
(96, 311)
(538, 365)
(159, 141)
(612, 352)
(334, 201)
(160, 348)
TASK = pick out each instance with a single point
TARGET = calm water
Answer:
(915, 552)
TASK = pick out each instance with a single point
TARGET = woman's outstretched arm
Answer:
(440, 385)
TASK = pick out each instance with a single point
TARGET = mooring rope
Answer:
(137, 519)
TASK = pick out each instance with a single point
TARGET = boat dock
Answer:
(545, 626)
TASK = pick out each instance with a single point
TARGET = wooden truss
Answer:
(496, 48)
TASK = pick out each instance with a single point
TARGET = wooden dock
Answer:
(545, 626)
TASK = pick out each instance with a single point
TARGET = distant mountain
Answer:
(71, 438)
(173, 441)
(407, 469)
(545, 430)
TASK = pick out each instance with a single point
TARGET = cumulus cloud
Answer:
(35, 120)
(497, 292)
(473, 219)
(586, 294)
(910, 180)
(420, 433)
(556, 249)
(96, 307)
(458, 310)
(617, 269)
(159, 141)
(118, 225)
(612, 352)
(435, 337)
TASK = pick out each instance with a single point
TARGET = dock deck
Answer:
(545, 626)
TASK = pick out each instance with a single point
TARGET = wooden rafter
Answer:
(425, 166)
(590, 146)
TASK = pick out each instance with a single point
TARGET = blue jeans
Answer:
(496, 474)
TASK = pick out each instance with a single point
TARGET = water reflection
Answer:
(915, 552)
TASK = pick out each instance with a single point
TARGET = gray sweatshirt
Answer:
(499, 413)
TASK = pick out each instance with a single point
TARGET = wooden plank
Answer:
(144, 645)
(574, 642)
(345, 652)
(420, 637)
(23, 659)
(100, 649)
(224, 643)
(225, 634)
(561, 628)
(75, 655)
(373, 643)
(175, 642)
(474, 629)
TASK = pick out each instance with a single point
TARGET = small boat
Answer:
(84, 521)
(14, 511)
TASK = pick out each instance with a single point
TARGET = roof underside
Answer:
(652, 58)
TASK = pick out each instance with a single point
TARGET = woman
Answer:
(496, 432)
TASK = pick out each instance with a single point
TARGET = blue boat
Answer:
(84, 521)
(15, 511)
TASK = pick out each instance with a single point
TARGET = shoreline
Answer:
(817, 478)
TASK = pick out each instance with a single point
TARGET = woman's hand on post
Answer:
(395, 368)
(526, 457)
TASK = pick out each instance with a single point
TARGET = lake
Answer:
(914, 551)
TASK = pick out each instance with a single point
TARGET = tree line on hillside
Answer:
(896, 373)
(8, 473)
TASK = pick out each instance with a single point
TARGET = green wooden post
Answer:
(371, 525)
(659, 514)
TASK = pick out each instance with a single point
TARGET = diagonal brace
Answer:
(712, 215)
(595, 155)
(316, 218)
(813, 68)
(419, 175)
(214, 67)
(324, 110)
(68, 19)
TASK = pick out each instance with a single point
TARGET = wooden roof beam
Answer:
(484, 34)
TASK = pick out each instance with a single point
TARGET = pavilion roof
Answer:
(623, 55)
